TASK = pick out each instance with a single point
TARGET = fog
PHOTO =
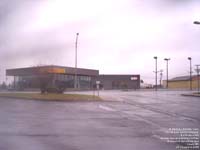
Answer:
(119, 37)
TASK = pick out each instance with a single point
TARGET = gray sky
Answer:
(116, 36)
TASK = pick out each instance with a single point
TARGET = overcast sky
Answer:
(115, 36)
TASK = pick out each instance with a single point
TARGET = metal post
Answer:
(167, 59)
(156, 72)
(161, 74)
(76, 46)
(167, 74)
(190, 59)
(197, 76)
(14, 83)
(197, 23)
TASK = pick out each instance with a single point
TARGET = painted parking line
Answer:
(106, 108)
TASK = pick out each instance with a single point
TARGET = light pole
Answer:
(190, 59)
(167, 59)
(76, 46)
(161, 74)
(197, 23)
(198, 70)
(155, 57)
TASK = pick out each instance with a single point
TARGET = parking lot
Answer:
(123, 120)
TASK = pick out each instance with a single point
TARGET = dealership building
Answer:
(119, 81)
(54, 76)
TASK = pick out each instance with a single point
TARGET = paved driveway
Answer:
(127, 120)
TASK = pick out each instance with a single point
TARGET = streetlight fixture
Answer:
(190, 59)
(76, 46)
(197, 22)
(155, 57)
(167, 59)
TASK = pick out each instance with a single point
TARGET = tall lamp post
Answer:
(190, 59)
(76, 46)
(197, 23)
(167, 59)
(198, 70)
(161, 74)
(155, 57)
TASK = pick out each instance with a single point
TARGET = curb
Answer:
(192, 95)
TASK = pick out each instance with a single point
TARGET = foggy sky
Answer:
(116, 36)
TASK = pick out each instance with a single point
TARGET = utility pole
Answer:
(197, 70)
(76, 46)
(167, 59)
(161, 74)
(190, 59)
(156, 72)
(197, 23)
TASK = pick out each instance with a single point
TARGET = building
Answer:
(119, 81)
(182, 82)
(52, 76)
(64, 77)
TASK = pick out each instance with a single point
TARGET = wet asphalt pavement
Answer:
(126, 120)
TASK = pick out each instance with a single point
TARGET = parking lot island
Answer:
(51, 96)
